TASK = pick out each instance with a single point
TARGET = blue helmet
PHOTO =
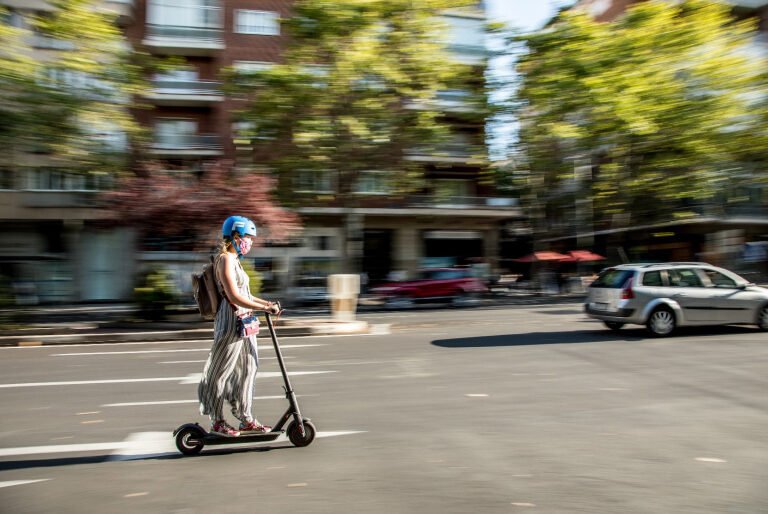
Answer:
(239, 224)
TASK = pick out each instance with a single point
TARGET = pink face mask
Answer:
(244, 245)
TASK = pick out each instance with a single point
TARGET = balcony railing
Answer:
(186, 142)
(202, 34)
(436, 202)
(186, 87)
(462, 202)
(453, 151)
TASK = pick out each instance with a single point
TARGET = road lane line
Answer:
(92, 382)
(138, 445)
(174, 402)
(178, 350)
(12, 483)
(60, 448)
(192, 378)
(203, 361)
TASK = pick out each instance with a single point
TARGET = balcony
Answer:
(416, 205)
(456, 152)
(186, 145)
(191, 93)
(123, 10)
(183, 40)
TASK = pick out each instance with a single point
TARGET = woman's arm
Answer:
(229, 284)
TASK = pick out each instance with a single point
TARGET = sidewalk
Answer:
(90, 324)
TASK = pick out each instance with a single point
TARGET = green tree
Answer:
(67, 81)
(646, 116)
(342, 100)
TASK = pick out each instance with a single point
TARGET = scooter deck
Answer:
(244, 437)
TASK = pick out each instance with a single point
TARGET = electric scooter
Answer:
(191, 437)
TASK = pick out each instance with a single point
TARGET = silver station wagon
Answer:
(675, 294)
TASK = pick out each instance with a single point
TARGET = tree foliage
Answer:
(172, 208)
(341, 101)
(67, 80)
(659, 110)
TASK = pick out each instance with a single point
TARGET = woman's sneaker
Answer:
(223, 428)
(254, 426)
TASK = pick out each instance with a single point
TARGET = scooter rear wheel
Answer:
(189, 440)
(294, 434)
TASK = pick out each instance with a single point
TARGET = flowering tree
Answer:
(173, 208)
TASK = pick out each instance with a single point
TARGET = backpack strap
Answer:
(215, 260)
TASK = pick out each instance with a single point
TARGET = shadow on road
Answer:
(585, 336)
(98, 459)
(536, 338)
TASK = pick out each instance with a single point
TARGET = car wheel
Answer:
(464, 299)
(661, 322)
(762, 318)
(400, 302)
(614, 325)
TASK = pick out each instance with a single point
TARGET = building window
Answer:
(264, 23)
(251, 66)
(170, 131)
(451, 189)
(313, 181)
(373, 183)
(49, 179)
(183, 13)
(6, 179)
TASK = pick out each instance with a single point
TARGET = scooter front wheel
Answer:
(294, 434)
(189, 440)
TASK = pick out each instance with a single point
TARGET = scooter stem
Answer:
(288, 388)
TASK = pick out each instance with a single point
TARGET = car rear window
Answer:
(613, 278)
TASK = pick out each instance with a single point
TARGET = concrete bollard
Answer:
(343, 290)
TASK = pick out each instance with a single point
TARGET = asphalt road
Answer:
(513, 409)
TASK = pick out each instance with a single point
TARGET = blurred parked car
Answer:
(309, 290)
(457, 285)
(669, 295)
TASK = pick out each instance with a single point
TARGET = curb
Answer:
(317, 329)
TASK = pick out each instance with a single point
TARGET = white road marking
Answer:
(144, 445)
(192, 378)
(178, 350)
(203, 361)
(133, 495)
(92, 382)
(59, 448)
(481, 395)
(338, 433)
(174, 402)
(12, 483)
(710, 459)
(137, 446)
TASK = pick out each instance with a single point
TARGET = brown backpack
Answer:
(206, 290)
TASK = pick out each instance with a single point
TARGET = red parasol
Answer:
(542, 256)
(583, 256)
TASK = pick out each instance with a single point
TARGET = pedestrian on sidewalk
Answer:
(233, 361)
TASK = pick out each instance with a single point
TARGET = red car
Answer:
(456, 285)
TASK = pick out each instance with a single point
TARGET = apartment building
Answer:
(56, 242)
(455, 220)
(721, 233)
(54, 245)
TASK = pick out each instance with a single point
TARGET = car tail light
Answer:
(627, 293)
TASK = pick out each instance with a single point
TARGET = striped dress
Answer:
(232, 363)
